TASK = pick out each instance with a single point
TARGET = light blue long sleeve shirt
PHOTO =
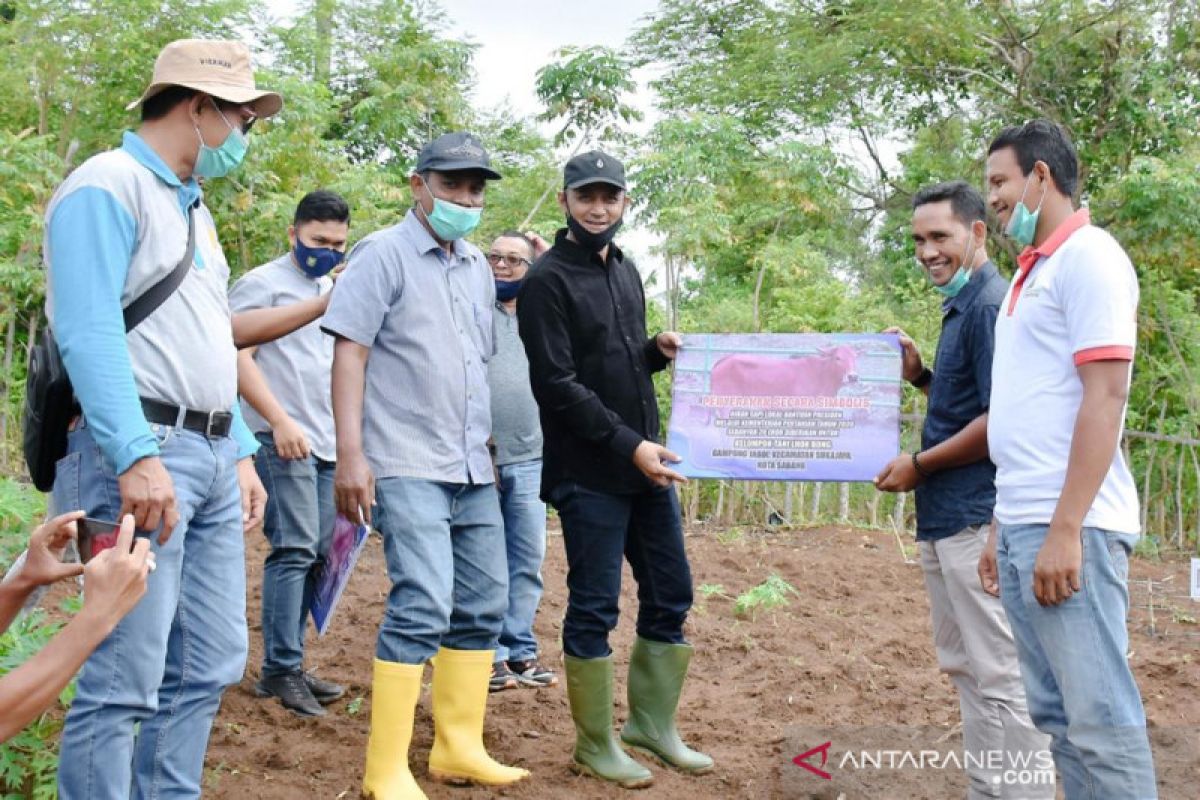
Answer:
(108, 239)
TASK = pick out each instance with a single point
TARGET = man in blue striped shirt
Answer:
(160, 435)
(413, 317)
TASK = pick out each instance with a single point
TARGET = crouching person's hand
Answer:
(115, 580)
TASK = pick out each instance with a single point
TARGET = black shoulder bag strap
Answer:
(157, 294)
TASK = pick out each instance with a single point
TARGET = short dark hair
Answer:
(322, 206)
(513, 233)
(160, 105)
(965, 200)
(1045, 141)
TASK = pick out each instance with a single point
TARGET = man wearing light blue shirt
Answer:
(160, 435)
(413, 321)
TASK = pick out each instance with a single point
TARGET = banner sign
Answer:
(786, 407)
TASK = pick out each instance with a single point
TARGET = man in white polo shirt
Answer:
(1066, 504)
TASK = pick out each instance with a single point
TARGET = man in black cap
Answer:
(582, 319)
(413, 321)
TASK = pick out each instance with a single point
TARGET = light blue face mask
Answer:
(962, 277)
(217, 162)
(451, 221)
(1022, 226)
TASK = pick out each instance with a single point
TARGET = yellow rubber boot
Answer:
(394, 693)
(460, 692)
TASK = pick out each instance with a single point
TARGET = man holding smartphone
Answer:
(160, 436)
(113, 583)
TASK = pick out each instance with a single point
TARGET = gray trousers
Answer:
(975, 649)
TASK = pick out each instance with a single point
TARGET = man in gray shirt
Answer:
(413, 321)
(285, 399)
(517, 450)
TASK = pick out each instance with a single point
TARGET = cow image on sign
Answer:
(818, 407)
(822, 375)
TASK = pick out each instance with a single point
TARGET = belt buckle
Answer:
(208, 426)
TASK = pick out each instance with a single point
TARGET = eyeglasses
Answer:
(236, 111)
(511, 261)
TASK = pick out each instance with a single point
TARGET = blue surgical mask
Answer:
(962, 277)
(217, 162)
(1022, 226)
(507, 290)
(451, 221)
(316, 261)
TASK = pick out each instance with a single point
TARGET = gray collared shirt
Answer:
(426, 315)
(515, 425)
(295, 366)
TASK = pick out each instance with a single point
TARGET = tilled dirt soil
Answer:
(849, 660)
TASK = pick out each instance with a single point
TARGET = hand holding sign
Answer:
(651, 459)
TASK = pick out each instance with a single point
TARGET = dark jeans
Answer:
(299, 525)
(598, 528)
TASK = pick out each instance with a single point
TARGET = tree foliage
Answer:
(795, 133)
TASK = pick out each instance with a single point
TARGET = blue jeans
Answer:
(444, 544)
(598, 529)
(525, 537)
(1078, 683)
(299, 526)
(166, 664)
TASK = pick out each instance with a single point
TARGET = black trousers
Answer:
(598, 530)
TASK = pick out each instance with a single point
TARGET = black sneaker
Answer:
(530, 673)
(292, 691)
(325, 692)
(502, 678)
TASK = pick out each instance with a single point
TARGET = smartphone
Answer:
(97, 535)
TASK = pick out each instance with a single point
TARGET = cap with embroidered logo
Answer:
(216, 67)
(593, 167)
(456, 151)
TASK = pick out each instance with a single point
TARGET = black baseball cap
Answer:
(593, 167)
(456, 151)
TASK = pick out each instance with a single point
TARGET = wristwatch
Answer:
(922, 380)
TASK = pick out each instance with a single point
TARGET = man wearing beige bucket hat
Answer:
(159, 434)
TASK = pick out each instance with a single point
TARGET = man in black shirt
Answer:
(582, 318)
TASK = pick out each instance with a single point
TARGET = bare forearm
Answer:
(13, 595)
(252, 385)
(32, 687)
(262, 325)
(965, 447)
(348, 380)
(1093, 444)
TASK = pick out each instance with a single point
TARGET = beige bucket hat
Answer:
(219, 68)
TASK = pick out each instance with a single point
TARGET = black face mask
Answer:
(594, 242)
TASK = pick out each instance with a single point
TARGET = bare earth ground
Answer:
(850, 659)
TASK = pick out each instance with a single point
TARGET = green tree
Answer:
(584, 90)
(396, 82)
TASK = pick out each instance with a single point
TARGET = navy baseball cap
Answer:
(456, 151)
(593, 167)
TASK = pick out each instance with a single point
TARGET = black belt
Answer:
(209, 423)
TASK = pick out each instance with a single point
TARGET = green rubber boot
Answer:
(589, 689)
(656, 674)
